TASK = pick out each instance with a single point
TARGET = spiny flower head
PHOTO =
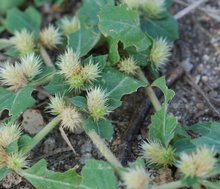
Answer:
(132, 4)
(69, 63)
(30, 66)
(71, 119)
(3, 158)
(136, 178)
(155, 153)
(50, 37)
(70, 25)
(129, 66)
(23, 42)
(97, 103)
(91, 72)
(153, 8)
(16, 161)
(76, 81)
(9, 134)
(56, 105)
(206, 164)
(18, 75)
(160, 52)
(198, 164)
(12, 76)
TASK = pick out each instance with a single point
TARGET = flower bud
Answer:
(16, 161)
(71, 119)
(50, 37)
(30, 66)
(91, 72)
(132, 4)
(23, 42)
(198, 164)
(70, 26)
(12, 76)
(154, 8)
(3, 158)
(69, 64)
(160, 52)
(76, 81)
(97, 103)
(155, 153)
(9, 134)
(56, 105)
(18, 75)
(136, 178)
(129, 66)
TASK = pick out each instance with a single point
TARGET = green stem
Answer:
(42, 81)
(171, 185)
(149, 91)
(38, 137)
(104, 150)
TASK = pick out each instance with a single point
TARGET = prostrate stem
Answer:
(171, 185)
(38, 137)
(149, 91)
(104, 150)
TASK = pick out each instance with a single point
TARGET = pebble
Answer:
(205, 79)
(200, 106)
(32, 121)
(86, 148)
(49, 145)
(84, 158)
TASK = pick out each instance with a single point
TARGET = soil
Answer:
(198, 50)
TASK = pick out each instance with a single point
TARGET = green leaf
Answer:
(89, 11)
(117, 85)
(123, 25)
(30, 20)
(161, 84)
(2, 28)
(200, 128)
(80, 102)
(3, 173)
(211, 139)
(165, 27)
(34, 16)
(102, 127)
(114, 56)
(98, 175)
(211, 185)
(14, 101)
(83, 40)
(162, 125)
(8, 4)
(40, 177)
(24, 141)
(99, 60)
(57, 85)
(184, 145)
(41, 2)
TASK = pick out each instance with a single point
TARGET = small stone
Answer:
(32, 121)
(187, 65)
(84, 158)
(205, 79)
(49, 145)
(200, 106)
(87, 147)
(12, 179)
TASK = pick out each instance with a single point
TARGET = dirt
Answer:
(198, 48)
